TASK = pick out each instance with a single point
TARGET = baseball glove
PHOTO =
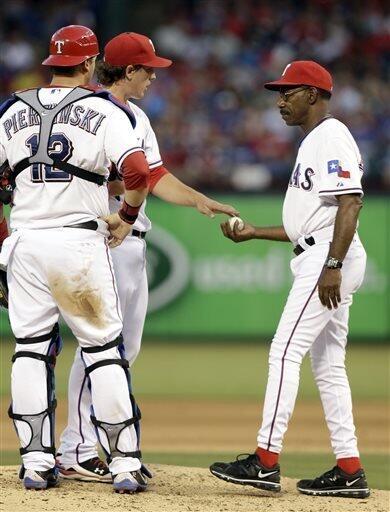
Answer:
(3, 289)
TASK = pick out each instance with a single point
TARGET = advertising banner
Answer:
(202, 284)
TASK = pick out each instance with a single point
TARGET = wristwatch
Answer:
(333, 263)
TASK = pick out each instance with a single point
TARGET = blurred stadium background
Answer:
(215, 305)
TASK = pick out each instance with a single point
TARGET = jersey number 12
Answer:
(59, 146)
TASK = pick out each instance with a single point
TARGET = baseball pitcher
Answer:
(127, 71)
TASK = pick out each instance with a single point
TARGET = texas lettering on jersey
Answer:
(295, 180)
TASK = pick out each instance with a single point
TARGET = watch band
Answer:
(333, 263)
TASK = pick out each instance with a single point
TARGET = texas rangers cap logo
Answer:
(59, 45)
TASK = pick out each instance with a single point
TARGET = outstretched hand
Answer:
(118, 229)
(237, 235)
(209, 207)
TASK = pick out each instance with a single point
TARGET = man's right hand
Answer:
(209, 207)
(247, 233)
(118, 229)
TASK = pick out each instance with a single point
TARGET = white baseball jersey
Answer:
(145, 138)
(67, 273)
(328, 164)
(130, 273)
(90, 133)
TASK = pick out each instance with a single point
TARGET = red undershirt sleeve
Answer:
(135, 171)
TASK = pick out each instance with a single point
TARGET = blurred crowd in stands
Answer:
(218, 129)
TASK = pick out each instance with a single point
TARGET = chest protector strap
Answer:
(47, 117)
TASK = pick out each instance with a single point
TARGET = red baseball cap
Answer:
(131, 48)
(303, 72)
(72, 45)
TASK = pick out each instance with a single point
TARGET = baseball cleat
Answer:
(38, 480)
(129, 482)
(91, 470)
(336, 483)
(248, 471)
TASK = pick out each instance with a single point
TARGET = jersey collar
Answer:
(325, 118)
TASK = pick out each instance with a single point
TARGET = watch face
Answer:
(333, 263)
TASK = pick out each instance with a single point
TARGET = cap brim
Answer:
(157, 62)
(66, 60)
(275, 86)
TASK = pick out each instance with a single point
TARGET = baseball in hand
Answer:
(236, 220)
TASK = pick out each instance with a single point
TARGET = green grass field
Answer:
(236, 371)
(216, 371)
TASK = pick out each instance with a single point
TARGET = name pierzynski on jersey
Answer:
(85, 118)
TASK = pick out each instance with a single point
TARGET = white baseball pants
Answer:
(67, 271)
(306, 325)
(78, 440)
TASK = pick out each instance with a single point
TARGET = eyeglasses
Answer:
(284, 95)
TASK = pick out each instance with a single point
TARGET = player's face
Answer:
(140, 80)
(294, 104)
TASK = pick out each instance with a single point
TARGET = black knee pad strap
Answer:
(39, 339)
(101, 348)
(34, 355)
(120, 362)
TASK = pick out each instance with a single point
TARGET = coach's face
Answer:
(139, 80)
(294, 104)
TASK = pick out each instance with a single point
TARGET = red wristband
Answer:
(129, 213)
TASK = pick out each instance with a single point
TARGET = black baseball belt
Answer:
(93, 225)
(298, 249)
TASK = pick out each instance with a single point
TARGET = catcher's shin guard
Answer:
(113, 431)
(136, 409)
(35, 421)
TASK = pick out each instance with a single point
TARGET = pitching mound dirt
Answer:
(176, 489)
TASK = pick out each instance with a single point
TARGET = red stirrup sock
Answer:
(349, 464)
(267, 458)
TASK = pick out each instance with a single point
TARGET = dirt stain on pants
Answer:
(77, 297)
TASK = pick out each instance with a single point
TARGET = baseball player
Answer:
(127, 71)
(60, 141)
(320, 218)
